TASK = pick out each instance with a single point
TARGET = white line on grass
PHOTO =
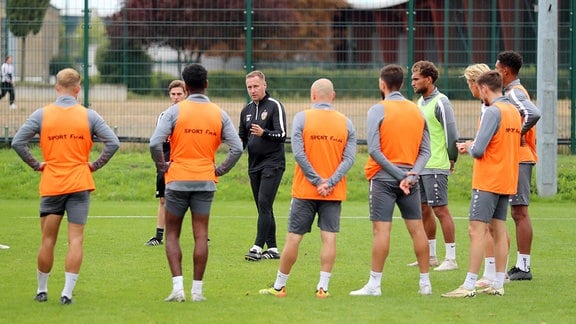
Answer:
(286, 217)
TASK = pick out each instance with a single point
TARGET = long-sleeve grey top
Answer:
(489, 125)
(444, 113)
(98, 128)
(165, 127)
(528, 110)
(348, 155)
(390, 171)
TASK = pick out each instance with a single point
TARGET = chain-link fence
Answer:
(128, 51)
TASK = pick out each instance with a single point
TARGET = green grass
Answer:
(123, 281)
(130, 176)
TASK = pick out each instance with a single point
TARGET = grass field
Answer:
(123, 281)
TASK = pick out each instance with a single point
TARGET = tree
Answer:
(135, 74)
(195, 27)
(25, 17)
(312, 38)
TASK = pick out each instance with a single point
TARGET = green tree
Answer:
(25, 17)
(197, 27)
(131, 66)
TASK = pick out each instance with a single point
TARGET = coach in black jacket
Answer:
(263, 132)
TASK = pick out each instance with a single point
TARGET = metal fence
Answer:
(129, 51)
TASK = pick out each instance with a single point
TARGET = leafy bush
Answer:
(132, 67)
(60, 62)
(358, 83)
(160, 82)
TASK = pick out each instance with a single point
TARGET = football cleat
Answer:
(460, 292)
(41, 297)
(367, 291)
(176, 296)
(320, 293)
(273, 292)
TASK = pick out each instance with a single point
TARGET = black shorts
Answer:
(160, 185)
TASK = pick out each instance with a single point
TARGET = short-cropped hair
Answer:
(492, 79)
(195, 76)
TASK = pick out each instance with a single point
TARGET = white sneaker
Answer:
(198, 297)
(176, 296)
(425, 290)
(433, 263)
(367, 291)
(447, 265)
(482, 283)
(13, 106)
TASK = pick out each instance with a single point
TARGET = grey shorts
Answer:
(75, 205)
(383, 195)
(485, 206)
(522, 196)
(178, 202)
(434, 189)
(303, 211)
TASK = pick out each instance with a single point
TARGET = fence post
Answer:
(547, 97)
(85, 58)
(494, 26)
(248, 28)
(446, 43)
(573, 80)
(6, 29)
(410, 28)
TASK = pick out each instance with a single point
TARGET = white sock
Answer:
(177, 283)
(499, 281)
(197, 287)
(257, 248)
(281, 280)
(273, 250)
(490, 268)
(523, 262)
(69, 284)
(450, 251)
(432, 248)
(375, 279)
(425, 279)
(324, 280)
(470, 281)
(42, 281)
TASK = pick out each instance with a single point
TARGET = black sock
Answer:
(159, 234)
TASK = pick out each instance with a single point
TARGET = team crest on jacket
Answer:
(264, 115)
(248, 117)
